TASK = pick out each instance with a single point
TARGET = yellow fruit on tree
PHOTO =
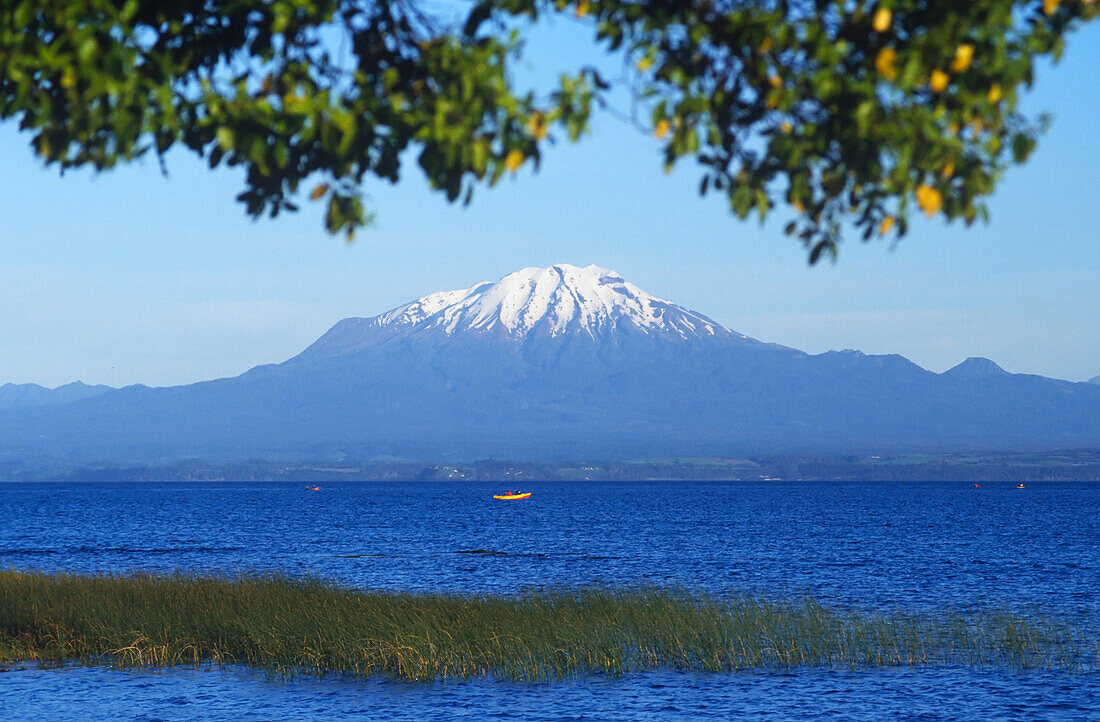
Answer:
(882, 20)
(662, 128)
(938, 81)
(964, 55)
(886, 62)
(929, 199)
(514, 160)
(994, 95)
(536, 126)
(886, 225)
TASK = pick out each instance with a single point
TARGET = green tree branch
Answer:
(853, 114)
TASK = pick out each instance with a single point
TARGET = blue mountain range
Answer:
(559, 363)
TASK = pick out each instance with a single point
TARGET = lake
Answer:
(876, 546)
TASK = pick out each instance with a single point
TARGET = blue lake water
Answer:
(866, 545)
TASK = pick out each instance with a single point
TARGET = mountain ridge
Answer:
(558, 363)
(976, 367)
(15, 396)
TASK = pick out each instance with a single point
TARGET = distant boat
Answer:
(1020, 486)
(511, 495)
(314, 487)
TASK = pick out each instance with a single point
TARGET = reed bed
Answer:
(306, 626)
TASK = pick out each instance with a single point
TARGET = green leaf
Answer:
(226, 138)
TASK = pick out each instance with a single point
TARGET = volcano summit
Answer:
(560, 363)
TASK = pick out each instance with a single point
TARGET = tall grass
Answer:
(296, 626)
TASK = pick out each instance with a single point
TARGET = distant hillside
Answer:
(24, 396)
(554, 364)
(1075, 465)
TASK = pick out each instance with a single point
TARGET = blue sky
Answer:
(132, 277)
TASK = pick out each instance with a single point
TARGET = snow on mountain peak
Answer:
(558, 300)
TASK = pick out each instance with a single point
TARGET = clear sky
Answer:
(132, 277)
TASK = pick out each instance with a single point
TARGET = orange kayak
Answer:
(509, 497)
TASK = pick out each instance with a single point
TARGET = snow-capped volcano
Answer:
(545, 303)
(558, 300)
(560, 363)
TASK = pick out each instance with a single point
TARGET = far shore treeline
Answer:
(1069, 465)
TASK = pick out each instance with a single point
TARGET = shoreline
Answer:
(959, 466)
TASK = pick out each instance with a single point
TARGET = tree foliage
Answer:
(853, 113)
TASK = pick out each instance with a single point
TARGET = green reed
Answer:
(295, 626)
